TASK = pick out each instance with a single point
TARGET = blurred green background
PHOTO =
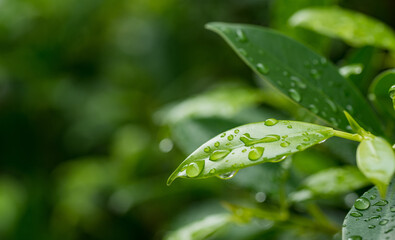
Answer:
(85, 153)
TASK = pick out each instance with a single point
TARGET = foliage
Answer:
(315, 84)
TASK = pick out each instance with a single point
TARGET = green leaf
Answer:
(299, 73)
(201, 229)
(354, 28)
(352, 69)
(244, 214)
(247, 145)
(378, 92)
(371, 217)
(376, 160)
(223, 101)
(331, 181)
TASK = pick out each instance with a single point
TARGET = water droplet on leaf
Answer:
(271, 122)
(255, 153)
(207, 149)
(230, 137)
(362, 203)
(194, 169)
(263, 69)
(218, 155)
(295, 95)
(381, 203)
(240, 36)
(227, 175)
(356, 214)
(284, 144)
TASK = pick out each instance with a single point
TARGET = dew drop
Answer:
(263, 69)
(331, 104)
(383, 222)
(362, 203)
(240, 36)
(295, 95)
(289, 126)
(194, 169)
(216, 144)
(355, 237)
(373, 197)
(255, 153)
(219, 155)
(230, 137)
(212, 171)
(223, 135)
(300, 148)
(207, 149)
(371, 226)
(284, 144)
(242, 52)
(244, 150)
(356, 214)
(379, 209)
(237, 131)
(392, 209)
(313, 108)
(249, 141)
(271, 122)
(227, 175)
(298, 82)
(381, 203)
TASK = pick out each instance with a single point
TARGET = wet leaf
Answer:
(304, 76)
(331, 181)
(376, 160)
(201, 229)
(379, 92)
(372, 217)
(354, 28)
(247, 145)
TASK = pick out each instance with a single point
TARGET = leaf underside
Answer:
(251, 144)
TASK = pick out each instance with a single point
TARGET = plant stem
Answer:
(349, 136)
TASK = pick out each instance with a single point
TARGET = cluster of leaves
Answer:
(326, 95)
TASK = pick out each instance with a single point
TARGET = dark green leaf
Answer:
(354, 28)
(251, 144)
(379, 92)
(298, 72)
(371, 217)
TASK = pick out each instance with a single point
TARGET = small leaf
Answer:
(331, 182)
(223, 101)
(354, 125)
(376, 160)
(379, 92)
(354, 28)
(201, 229)
(304, 76)
(247, 145)
(371, 217)
(352, 69)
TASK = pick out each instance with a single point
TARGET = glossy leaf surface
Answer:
(354, 28)
(371, 217)
(376, 160)
(379, 92)
(331, 182)
(201, 229)
(251, 144)
(304, 76)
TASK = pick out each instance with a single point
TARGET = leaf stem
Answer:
(349, 136)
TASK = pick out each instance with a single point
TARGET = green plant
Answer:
(315, 84)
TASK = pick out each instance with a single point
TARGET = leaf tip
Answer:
(171, 179)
